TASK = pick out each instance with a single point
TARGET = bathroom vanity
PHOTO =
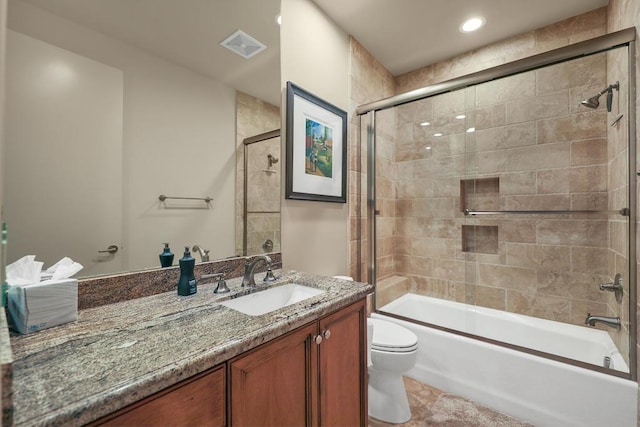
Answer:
(173, 360)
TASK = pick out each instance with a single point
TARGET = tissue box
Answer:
(43, 305)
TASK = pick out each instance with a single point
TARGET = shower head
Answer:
(594, 101)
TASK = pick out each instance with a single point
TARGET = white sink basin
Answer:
(271, 299)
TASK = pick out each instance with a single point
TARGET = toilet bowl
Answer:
(392, 351)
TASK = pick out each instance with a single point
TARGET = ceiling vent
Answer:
(243, 44)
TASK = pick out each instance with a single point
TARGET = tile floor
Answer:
(433, 407)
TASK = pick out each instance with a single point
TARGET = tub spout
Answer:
(614, 322)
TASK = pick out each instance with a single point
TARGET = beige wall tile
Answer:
(507, 277)
(516, 135)
(433, 247)
(435, 207)
(572, 30)
(490, 117)
(543, 306)
(518, 230)
(590, 260)
(587, 179)
(490, 297)
(587, 71)
(573, 232)
(486, 162)
(536, 202)
(449, 270)
(539, 157)
(590, 201)
(519, 86)
(539, 107)
(518, 183)
(573, 127)
(553, 181)
(538, 256)
(589, 152)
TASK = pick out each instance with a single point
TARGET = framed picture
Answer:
(316, 148)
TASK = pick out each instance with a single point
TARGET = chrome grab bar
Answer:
(623, 212)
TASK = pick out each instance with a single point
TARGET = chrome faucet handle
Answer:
(222, 287)
(616, 287)
(269, 277)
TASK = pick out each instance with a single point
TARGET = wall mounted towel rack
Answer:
(623, 212)
(207, 200)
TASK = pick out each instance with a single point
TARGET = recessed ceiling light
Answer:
(460, 116)
(472, 24)
(425, 124)
(437, 134)
(470, 130)
(427, 148)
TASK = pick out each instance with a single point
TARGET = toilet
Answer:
(392, 352)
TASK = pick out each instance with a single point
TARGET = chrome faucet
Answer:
(250, 265)
(204, 253)
(614, 322)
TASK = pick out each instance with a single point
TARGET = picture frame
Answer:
(316, 148)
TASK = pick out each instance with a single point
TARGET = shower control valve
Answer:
(615, 286)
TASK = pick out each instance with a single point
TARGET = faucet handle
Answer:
(269, 277)
(222, 287)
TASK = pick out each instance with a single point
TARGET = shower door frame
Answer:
(603, 43)
(245, 198)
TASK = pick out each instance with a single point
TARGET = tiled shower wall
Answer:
(254, 117)
(534, 148)
(371, 82)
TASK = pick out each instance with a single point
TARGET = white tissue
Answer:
(63, 269)
(27, 271)
(24, 271)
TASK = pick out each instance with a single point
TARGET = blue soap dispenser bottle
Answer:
(187, 283)
(166, 257)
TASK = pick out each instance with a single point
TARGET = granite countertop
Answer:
(117, 354)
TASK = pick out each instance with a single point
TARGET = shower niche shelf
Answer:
(480, 194)
(481, 239)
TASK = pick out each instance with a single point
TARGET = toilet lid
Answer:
(388, 336)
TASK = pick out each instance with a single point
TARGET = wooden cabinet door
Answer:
(198, 401)
(276, 384)
(342, 366)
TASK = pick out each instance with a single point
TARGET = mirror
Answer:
(112, 104)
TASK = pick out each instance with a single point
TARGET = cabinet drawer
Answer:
(199, 401)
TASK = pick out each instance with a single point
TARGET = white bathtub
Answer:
(539, 390)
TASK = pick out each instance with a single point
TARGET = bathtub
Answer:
(541, 391)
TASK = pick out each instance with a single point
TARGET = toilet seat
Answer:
(392, 338)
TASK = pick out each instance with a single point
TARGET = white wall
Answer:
(179, 136)
(60, 105)
(315, 56)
